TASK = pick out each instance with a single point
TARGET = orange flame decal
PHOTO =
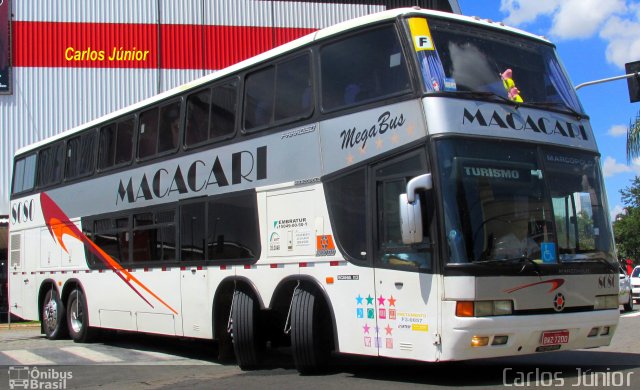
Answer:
(59, 225)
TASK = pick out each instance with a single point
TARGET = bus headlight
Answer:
(483, 308)
(604, 302)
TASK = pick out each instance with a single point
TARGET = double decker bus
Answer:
(410, 184)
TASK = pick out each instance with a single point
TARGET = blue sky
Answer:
(594, 39)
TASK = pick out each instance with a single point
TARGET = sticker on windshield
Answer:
(421, 34)
(548, 252)
(450, 84)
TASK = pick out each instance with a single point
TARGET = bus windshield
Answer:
(468, 60)
(509, 201)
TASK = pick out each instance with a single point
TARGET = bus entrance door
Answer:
(407, 320)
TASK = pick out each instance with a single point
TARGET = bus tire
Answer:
(629, 305)
(78, 317)
(311, 332)
(53, 315)
(248, 344)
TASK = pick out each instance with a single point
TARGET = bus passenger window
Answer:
(169, 133)
(362, 68)
(258, 106)
(116, 144)
(148, 133)
(223, 110)
(80, 152)
(50, 163)
(24, 174)
(293, 88)
(193, 234)
(198, 106)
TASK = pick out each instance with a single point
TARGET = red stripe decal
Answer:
(130, 45)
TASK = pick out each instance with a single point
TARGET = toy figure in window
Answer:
(512, 91)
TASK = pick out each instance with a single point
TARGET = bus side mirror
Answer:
(411, 210)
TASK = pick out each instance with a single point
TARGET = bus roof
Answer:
(282, 49)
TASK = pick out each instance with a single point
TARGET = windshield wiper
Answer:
(563, 106)
(485, 95)
(520, 259)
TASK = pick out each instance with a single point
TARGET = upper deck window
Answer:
(278, 93)
(363, 68)
(116, 143)
(484, 63)
(211, 114)
(50, 163)
(159, 130)
(24, 174)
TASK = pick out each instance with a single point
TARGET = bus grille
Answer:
(15, 244)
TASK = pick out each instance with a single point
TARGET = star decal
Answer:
(395, 138)
(369, 300)
(350, 159)
(381, 300)
(359, 299)
(392, 301)
(410, 129)
(362, 150)
(389, 329)
(366, 328)
(379, 143)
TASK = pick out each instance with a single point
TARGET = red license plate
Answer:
(555, 337)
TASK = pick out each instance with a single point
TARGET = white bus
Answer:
(410, 184)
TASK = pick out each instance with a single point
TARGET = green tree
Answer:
(626, 227)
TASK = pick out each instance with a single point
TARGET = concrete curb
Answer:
(20, 325)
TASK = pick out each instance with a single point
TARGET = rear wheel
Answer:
(78, 317)
(53, 316)
(248, 343)
(311, 332)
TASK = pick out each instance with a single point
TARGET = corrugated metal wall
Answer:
(185, 40)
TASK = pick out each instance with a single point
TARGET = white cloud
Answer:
(611, 167)
(582, 18)
(615, 21)
(522, 11)
(617, 131)
(618, 209)
(623, 37)
(635, 165)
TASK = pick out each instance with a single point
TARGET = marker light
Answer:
(479, 341)
(500, 340)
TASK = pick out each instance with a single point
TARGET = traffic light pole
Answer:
(626, 76)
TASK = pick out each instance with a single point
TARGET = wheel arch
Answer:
(283, 294)
(223, 297)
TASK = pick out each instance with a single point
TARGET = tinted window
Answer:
(80, 155)
(233, 228)
(50, 162)
(278, 93)
(24, 174)
(193, 232)
(116, 144)
(159, 130)
(391, 181)
(259, 98)
(211, 114)
(363, 68)
(347, 207)
(112, 236)
(154, 237)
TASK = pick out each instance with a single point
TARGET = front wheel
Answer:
(53, 316)
(311, 332)
(78, 317)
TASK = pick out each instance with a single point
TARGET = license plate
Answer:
(555, 337)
